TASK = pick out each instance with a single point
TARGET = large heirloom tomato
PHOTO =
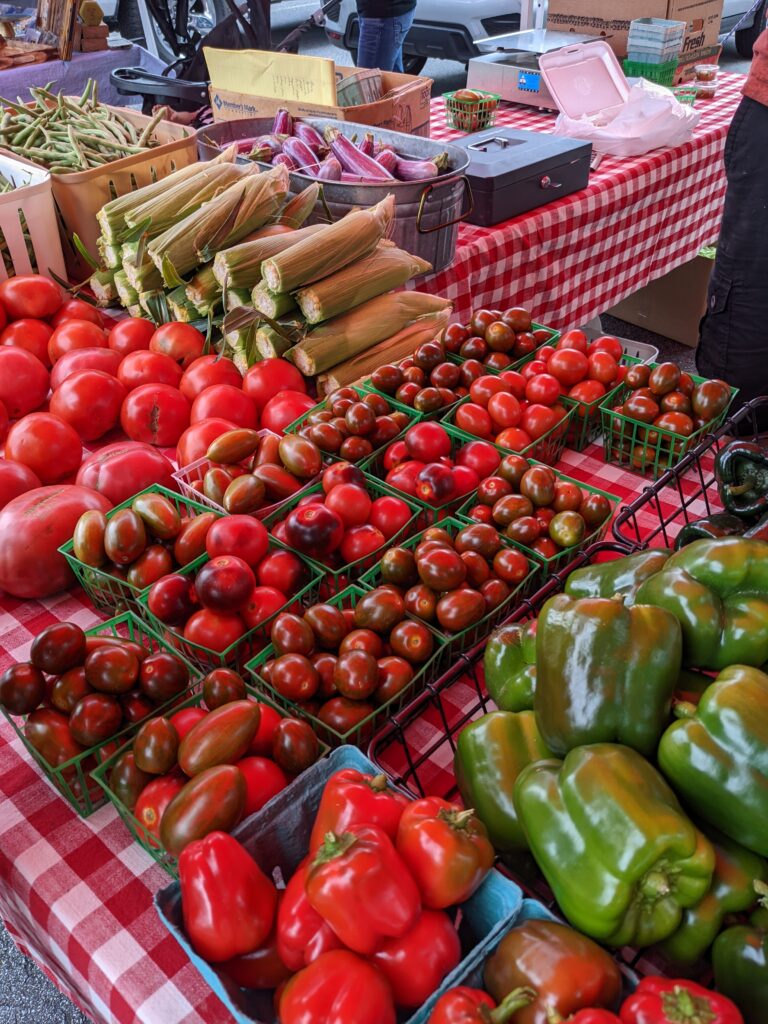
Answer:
(156, 414)
(268, 377)
(30, 295)
(45, 443)
(121, 470)
(15, 479)
(103, 359)
(90, 402)
(182, 342)
(23, 381)
(32, 528)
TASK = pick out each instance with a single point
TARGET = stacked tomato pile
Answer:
(353, 424)
(496, 338)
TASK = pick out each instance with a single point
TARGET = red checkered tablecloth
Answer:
(77, 894)
(575, 258)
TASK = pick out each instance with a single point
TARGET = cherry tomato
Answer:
(474, 419)
(46, 444)
(33, 335)
(30, 295)
(23, 381)
(207, 371)
(263, 780)
(514, 438)
(141, 367)
(283, 408)
(225, 402)
(74, 334)
(574, 339)
(153, 801)
(76, 309)
(89, 401)
(569, 366)
(130, 335)
(607, 344)
(214, 630)
(155, 414)
(270, 376)
(15, 479)
(539, 419)
(182, 342)
(543, 388)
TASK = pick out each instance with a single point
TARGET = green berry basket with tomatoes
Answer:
(45, 730)
(547, 447)
(125, 786)
(342, 718)
(659, 414)
(506, 565)
(335, 570)
(431, 398)
(548, 516)
(115, 587)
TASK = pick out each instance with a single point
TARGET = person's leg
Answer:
(734, 332)
(402, 24)
(370, 43)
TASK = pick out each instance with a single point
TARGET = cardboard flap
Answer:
(584, 79)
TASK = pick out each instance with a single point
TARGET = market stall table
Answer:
(575, 258)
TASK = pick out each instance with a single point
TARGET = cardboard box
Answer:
(610, 19)
(673, 305)
(404, 110)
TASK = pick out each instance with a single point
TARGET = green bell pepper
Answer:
(490, 754)
(617, 850)
(718, 589)
(720, 524)
(732, 892)
(605, 672)
(740, 962)
(509, 665)
(620, 576)
(716, 756)
(741, 472)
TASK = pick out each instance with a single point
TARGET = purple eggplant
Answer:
(355, 179)
(388, 159)
(283, 123)
(310, 137)
(355, 162)
(367, 145)
(265, 148)
(415, 170)
(283, 158)
(302, 155)
(330, 169)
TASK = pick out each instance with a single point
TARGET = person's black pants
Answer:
(734, 331)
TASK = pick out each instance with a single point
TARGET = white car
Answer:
(446, 28)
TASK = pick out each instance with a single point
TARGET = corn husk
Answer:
(295, 212)
(400, 345)
(203, 289)
(240, 265)
(348, 240)
(270, 344)
(149, 300)
(144, 277)
(103, 286)
(180, 306)
(127, 294)
(271, 304)
(362, 327)
(386, 268)
(111, 255)
(167, 209)
(219, 223)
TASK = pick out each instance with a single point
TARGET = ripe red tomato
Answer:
(607, 344)
(74, 334)
(263, 780)
(543, 388)
(574, 339)
(225, 583)
(403, 476)
(389, 515)
(538, 419)
(102, 359)
(23, 381)
(214, 630)
(569, 366)
(4, 421)
(90, 402)
(15, 479)
(142, 367)
(361, 541)
(283, 408)
(515, 382)
(282, 570)
(482, 389)
(172, 599)
(427, 441)
(394, 455)
(269, 721)
(262, 604)
(270, 376)
(479, 456)
(603, 367)
(350, 502)
(124, 468)
(33, 335)
(314, 529)
(45, 443)
(206, 371)
(531, 369)
(183, 721)
(156, 414)
(76, 309)
(30, 295)
(153, 800)
(514, 438)
(196, 440)
(587, 391)
(465, 479)
(238, 535)
(131, 335)
(182, 342)
(505, 410)
(33, 527)
(226, 402)
(474, 419)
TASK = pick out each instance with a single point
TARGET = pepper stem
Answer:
(378, 783)
(684, 709)
(654, 885)
(681, 1006)
(518, 999)
(333, 846)
(456, 819)
(735, 490)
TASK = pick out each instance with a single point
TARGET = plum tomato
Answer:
(603, 367)
(90, 401)
(23, 381)
(294, 745)
(221, 686)
(389, 515)
(594, 510)
(294, 677)
(171, 599)
(282, 570)
(412, 641)
(314, 530)
(214, 630)
(224, 401)
(361, 541)
(48, 445)
(540, 419)
(22, 688)
(396, 454)
(74, 334)
(517, 318)
(474, 419)
(568, 366)
(155, 414)
(270, 376)
(505, 410)
(351, 503)
(283, 408)
(130, 335)
(427, 441)
(182, 342)
(538, 485)
(356, 675)
(243, 536)
(514, 438)
(30, 295)
(710, 399)
(531, 369)
(32, 335)
(225, 583)
(664, 378)
(511, 565)
(162, 675)
(567, 529)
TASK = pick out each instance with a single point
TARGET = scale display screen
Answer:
(529, 81)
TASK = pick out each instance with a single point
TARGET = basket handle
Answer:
(449, 223)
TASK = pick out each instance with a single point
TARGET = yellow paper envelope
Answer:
(274, 75)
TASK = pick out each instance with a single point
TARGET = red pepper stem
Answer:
(516, 1000)
(378, 783)
(456, 819)
(333, 846)
(681, 1006)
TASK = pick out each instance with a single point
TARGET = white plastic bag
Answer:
(651, 118)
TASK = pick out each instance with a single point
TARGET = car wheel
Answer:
(747, 37)
(412, 64)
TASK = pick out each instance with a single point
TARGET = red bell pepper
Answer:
(227, 901)
(593, 1016)
(473, 1006)
(358, 883)
(446, 849)
(338, 988)
(354, 798)
(416, 963)
(261, 969)
(302, 935)
(668, 1001)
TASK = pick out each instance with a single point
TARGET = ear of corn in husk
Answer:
(349, 239)
(400, 345)
(234, 297)
(203, 289)
(143, 277)
(296, 211)
(240, 265)
(176, 203)
(180, 306)
(110, 254)
(360, 328)
(272, 304)
(387, 267)
(148, 301)
(271, 344)
(219, 223)
(125, 291)
(103, 286)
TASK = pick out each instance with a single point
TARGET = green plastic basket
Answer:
(413, 417)
(662, 74)
(564, 557)
(450, 357)
(472, 635)
(335, 578)
(144, 838)
(547, 448)
(360, 734)
(626, 440)
(73, 779)
(106, 591)
(554, 337)
(204, 658)
(471, 115)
